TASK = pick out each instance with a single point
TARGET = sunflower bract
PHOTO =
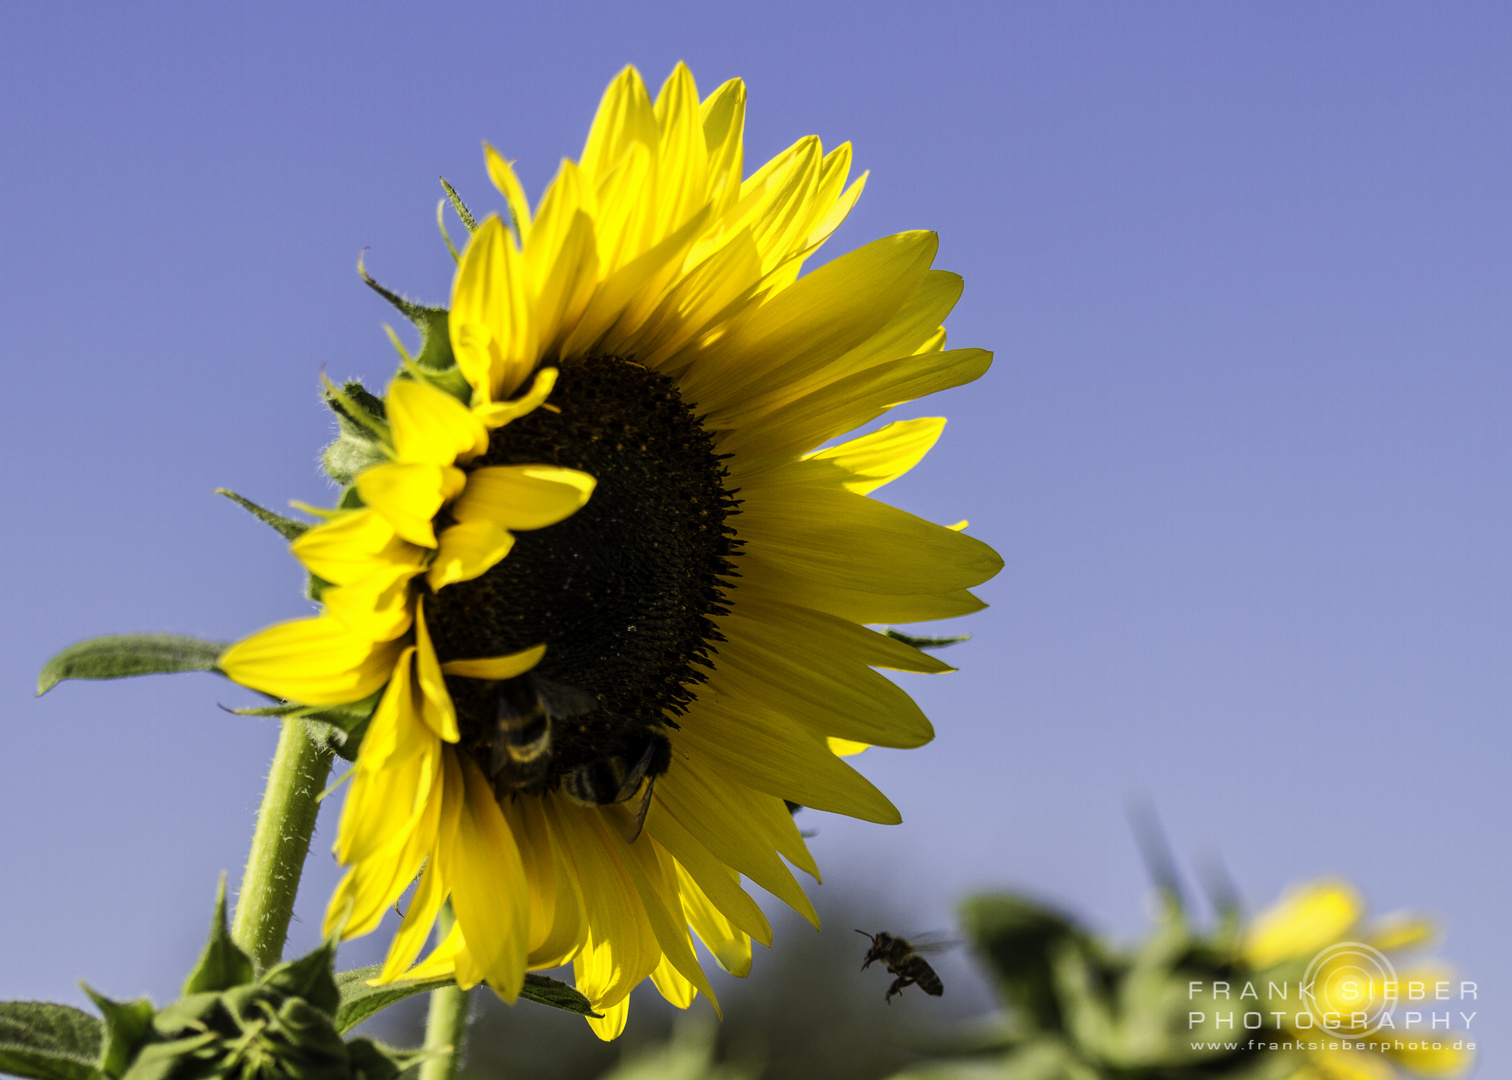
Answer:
(614, 575)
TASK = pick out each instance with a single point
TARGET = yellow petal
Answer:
(312, 661)
(498, 413)
(612, 1022)
(502, 173)
(497, 668)
(431, 427)
(845, 747)
(884, 455)
(523, 496)
(730, 945)
(467, 551)
(677, 990)
(437, 710)
(353, 546)
(488, 886)
(410, 495)
(717, 882)
(624, 119)
(492, 329)
(377, 608)
(1303, 921)
(723, 116)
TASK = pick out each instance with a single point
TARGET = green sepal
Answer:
(359, 1001)
(374, 1061)
(925, 642)
(309, 978)
(288, 528)
(222, 964)
(44, 1041)
(340, 727)
(435, 355)
(462, 211)
(119, 656)
(127, 1026)
(362, 421)
(165, 1060)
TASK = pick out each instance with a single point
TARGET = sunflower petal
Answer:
(523, 496)
(312, 661)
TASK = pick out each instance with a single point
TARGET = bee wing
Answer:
(633, 833)
(561, 700)
(933, 942)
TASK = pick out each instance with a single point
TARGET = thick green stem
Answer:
(280, 844)
(446, 1024)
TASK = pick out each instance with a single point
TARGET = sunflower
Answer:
(1322, 925)
(615, 598)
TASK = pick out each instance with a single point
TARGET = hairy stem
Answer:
(279, 846)
(446, 1023)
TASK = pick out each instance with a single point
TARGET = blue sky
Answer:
(1245, 268)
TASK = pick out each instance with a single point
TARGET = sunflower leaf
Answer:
(49, 1042)
(308, 977)
(288, 528)
(222, 964)
(924, 642)
(359, 1001)
(119, 656)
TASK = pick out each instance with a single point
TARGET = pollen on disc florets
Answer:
(622, 592)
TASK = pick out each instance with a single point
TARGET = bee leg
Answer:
(897, 987)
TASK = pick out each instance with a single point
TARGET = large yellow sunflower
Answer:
(601, 571)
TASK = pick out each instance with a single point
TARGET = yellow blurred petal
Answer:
(431, 427)
(497, 668)
(1303, 921)
(312, 661)
(1418, 1055)
(488, 886)
(523, 496)
(502, 173)
(409, 495)
(845, 747)
(1402, 931)
(492, 328)
(466, 551)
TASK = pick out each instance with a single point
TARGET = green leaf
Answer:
(544, 990)
(924, 642)
(127, 1025)
(1020, 941)
(373, 1061)
(360, 1001)
(48, 1042)
(309, 977)
(222, 964)
(288, 528)
(122, 655)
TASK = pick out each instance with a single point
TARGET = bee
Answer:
(529, 734)
(903, 960)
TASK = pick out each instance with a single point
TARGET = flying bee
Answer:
(520, 751)
(903, 960)
(643, 754)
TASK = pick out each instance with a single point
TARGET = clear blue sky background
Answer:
(1246, 268)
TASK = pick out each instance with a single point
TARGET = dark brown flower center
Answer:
(621, 593)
